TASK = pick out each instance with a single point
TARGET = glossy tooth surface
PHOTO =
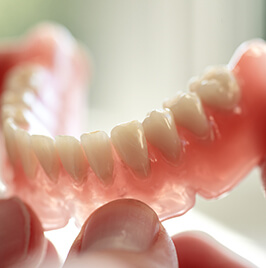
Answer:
(16, 112)
(217, 87)
(97, 147)
(44, 149)
(72, 157)
(160, 131)
(27, 157)
(25, 77)
(9, 129)
(130, 143)
(188, 112)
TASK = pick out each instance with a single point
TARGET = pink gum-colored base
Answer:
(209, 167)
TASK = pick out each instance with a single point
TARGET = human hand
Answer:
(123, 233)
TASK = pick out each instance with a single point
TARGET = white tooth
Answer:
(188, 113)
(26, 77)
(9, 129)
(27, 157)
(44, 148)
(217, 87)
(16, 112)
(10, 97)
(97, 147)
(160, 131)
(72, 157)
(130, 143)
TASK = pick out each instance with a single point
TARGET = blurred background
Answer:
(143, 51)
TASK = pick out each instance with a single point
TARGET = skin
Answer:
(100, 243)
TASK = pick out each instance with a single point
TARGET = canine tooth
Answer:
(130, 143)
(188, 112)
(16, 112)
(27, 157)
(44, 148)
(9, 129)
(97, 147)
(72, 157)
(217, 87)
(25, 77)
(160, 131)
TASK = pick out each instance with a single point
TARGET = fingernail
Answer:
(124, 224)
(14, 231)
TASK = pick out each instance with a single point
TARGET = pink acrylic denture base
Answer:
(209, 167)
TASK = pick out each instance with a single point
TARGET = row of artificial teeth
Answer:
(129, 139)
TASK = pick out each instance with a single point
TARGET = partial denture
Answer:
(164, 161)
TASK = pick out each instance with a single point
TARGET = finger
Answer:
(51, 258)
(197, 249)
(21, 235)
(123, 233)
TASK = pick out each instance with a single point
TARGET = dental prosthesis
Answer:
(201, 142)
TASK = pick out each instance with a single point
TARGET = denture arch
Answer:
(201, 142)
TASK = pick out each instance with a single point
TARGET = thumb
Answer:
(21, 235)
(123, 233)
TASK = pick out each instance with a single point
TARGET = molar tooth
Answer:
(25, 77)
(16, 112)
(188, 112)
(9, 129)
(130, 143)
(16, 98)
(160, 131)
(97, 147)
(72, 157)
(27, 157)
(217, 87)
(44, 148)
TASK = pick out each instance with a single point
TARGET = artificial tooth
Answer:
(217, 87)
(26, 77)
(27, 157)
(16, 98)
(97, 147)
(130, 143)
(72, 157)
(188, 113)
(44, 148)
(160, 131)
(9, 129)
(16, 112)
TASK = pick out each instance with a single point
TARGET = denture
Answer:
(200, 142)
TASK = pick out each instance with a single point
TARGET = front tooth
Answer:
(72, 157)
(188, 112)
(130, 143)
(27, 157)
(25, 77)
(9, 129)
(160, 131)
(217, 87)
(44, 148)
(97, 147)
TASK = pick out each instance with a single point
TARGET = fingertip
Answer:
(125, 232)
(198, 249)
(21, 234)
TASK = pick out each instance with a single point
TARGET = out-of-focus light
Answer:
(193, 220)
